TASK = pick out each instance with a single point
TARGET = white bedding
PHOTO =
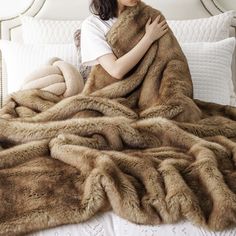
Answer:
(109, 224)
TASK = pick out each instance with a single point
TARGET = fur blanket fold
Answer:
(141, 146)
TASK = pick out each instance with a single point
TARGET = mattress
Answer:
(109, 224)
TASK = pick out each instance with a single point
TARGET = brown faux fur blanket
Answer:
(140, 146)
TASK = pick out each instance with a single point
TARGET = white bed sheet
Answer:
(109, 224)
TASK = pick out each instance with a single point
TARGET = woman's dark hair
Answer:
(105, 9)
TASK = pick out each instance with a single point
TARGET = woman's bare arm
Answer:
(117, 68)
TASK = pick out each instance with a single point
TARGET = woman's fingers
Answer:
(162, 23)
(164, 27)
(165, 30)
(157, 18)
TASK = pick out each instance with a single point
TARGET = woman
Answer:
(96, 50)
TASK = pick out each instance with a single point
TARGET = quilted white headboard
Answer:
(79, 9)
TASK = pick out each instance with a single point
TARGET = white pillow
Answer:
(21, 59)
(212, 28)
(36, 30)
(208, 29)
(210, 67)
(209, 63)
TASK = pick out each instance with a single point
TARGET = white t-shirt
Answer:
(93, 43)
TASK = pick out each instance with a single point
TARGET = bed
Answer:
(109, 223)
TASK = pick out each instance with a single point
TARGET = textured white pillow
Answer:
(210, 67)
(212, 28)
(209, 63)
(209, 29)
(22, 59)
(36, 30)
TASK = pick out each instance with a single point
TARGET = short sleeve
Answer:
(93, 43)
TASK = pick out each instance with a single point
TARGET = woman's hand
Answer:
(117, 68)
(155, 30)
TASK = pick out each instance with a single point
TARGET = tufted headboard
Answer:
(10, 28)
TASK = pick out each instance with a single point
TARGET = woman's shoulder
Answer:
(91, 19)
(89, 25)
(96, 21)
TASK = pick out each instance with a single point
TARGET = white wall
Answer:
(13, 7)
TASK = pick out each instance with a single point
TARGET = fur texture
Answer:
(140, 146)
